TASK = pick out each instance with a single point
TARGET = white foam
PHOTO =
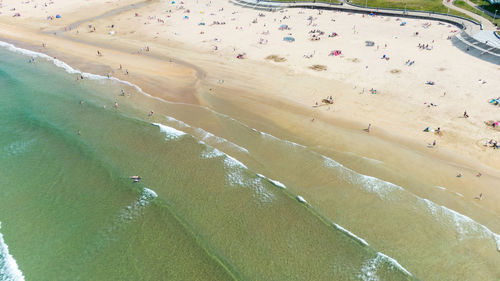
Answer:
(269, 136)
(459, 194)
(18, 147)
(211, 153)
(440, 187)
(371, 184)
(372, 160)
(177, 122)
(329, 162)
(170, 133)
(236, 176)
(370, 267)
(464, 225)
(131, 211)
(277, 183)
(363, 241)
(369, 271)
(393, 262)
(9, 270)
(301, 199)
(209, 137)
(274, 182)
(72, 70)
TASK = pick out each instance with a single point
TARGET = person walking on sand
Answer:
(369, 127)
(465, 114)
(434, 143)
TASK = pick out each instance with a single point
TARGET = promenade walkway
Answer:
(486, 23)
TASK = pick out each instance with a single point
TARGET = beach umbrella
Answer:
(58, 16)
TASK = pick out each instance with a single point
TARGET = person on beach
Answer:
(116, 105)
(480, 197)
(369, 127)
(434, 143)
(465, 114)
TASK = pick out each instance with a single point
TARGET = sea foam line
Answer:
(236, 177)
(235, 174)
(170, 133)
(92, 76)
(178, 122)
(464, 225)
(71, 70)
(370, 267)
(9, 270)
(274, 182)
(131, 211)
(363, 241)
(207, 136)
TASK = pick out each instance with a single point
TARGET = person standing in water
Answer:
(116, 105)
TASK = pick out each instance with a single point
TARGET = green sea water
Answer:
(206, 207)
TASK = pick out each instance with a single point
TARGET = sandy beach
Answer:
(238, 62)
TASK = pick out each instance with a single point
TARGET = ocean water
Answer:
(217, 200)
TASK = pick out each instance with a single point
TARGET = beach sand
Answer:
(191, 57)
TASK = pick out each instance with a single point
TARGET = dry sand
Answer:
(193, 47)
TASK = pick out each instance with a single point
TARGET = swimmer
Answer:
(116, 105)
(151, 113)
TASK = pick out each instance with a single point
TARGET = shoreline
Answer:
(290, 115)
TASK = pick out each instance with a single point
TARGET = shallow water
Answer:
(217, 199)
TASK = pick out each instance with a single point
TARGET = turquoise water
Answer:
(208, 206)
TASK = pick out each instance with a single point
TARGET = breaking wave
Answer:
(370, 267)
(170, 133)
(9, 270)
